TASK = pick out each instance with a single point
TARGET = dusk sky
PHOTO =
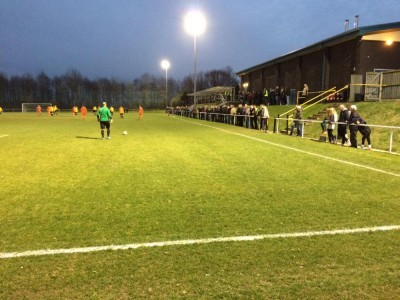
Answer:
(127, 38)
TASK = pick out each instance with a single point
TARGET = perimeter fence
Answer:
(384, 138)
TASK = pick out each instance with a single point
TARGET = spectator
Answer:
(271, 96)
(354, 120)
(299, 124)
(254, 116)
(277, 96)
(342, 128)
(233, 112)
(264, 115)
(305, 90)
(283, 97)
(365, 132)
(297, 116)
(240, 113)
(332, 119)
(304, 93)
(265, 96)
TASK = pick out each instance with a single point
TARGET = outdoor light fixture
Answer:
(195, 24)
(389, 42)
(165, 65)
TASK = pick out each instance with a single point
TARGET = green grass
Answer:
(171, 179)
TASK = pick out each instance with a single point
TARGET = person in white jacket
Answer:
(264, 115)
(332, 119)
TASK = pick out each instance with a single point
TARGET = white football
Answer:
(125, 132)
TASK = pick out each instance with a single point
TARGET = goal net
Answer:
(31, 107)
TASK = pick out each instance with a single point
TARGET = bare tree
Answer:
(44, 88)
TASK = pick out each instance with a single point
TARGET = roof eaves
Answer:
(334, 40)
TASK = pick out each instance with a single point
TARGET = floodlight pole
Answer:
(195, 24)
(165, 65)
(195, 68)
(166, 87)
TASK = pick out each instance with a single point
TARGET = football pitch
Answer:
(183, 208)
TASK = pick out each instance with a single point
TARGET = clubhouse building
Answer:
(358, 57)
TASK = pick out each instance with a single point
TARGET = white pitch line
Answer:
(197, 241)
(4, 135)
(298, 150)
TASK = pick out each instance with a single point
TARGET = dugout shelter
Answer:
(217, 95)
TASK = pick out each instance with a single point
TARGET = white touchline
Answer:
(298, 150)
(3, 135)
(197, 241)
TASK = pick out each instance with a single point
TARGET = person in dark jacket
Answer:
(342, 128)
(365, 131)
(354, 120)
(366, 135)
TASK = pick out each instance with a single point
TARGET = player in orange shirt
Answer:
(121, 112)
(83, 112)
(39, 110)
(141, 111)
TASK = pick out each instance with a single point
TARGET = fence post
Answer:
(275, 124)
(287, 124)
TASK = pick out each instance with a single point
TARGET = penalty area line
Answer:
(198, 241)
(297, 150)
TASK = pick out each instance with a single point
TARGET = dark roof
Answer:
(213, 91)
(332, 41)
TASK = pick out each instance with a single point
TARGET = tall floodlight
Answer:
(195, 24)
(165, 65)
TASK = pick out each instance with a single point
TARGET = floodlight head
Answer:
(389, 42)
(165, 64)
(195, 23)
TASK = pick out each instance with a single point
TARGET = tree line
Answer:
(72, 88)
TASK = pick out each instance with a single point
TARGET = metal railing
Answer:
(331, 91)
(246, 121)
(302, 123)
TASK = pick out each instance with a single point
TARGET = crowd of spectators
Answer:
(257, 117)
(244, 115)
(272, 96)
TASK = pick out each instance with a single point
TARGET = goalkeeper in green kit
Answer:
(105, 119)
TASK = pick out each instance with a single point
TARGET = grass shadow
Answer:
(88, 138)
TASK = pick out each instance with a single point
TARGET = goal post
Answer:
(31, 107)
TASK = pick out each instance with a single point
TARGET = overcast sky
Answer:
(127, 38)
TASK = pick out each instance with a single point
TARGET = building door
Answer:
(355, 94)
(372, 86)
